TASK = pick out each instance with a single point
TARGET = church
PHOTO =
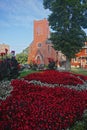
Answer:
(41, 49)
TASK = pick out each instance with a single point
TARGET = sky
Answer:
(16, 22)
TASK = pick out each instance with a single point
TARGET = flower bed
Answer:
(32, 107)
(53, 77)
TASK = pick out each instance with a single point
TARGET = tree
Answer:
(68, 18)
(22, 58)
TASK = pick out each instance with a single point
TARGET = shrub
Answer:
(51, 64)
(9, 68)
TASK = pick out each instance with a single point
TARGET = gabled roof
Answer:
(38, 52)
(81, 55)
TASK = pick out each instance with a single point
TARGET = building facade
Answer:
(81, 58)
(41, 48)
(3, 47)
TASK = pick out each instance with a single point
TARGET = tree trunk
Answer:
(67, 64)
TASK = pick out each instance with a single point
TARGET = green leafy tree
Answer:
(22, 58)
(68, 18)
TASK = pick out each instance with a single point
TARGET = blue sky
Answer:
(16, 21)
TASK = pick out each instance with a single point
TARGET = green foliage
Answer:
(81, 125)
(51, 64)
(67, 20)
(34, 66)
(22, 58)
(9, 68)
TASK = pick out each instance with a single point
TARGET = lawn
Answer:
(26, 72)
(79, 71)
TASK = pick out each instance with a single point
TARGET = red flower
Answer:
(2, 53)
(6, 50)
(32, 107)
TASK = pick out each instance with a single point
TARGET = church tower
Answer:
(41, 49)
(41, 30)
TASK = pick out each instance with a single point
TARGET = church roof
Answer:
(38, 52)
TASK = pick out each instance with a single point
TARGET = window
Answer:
(86, 50)
(39, 44)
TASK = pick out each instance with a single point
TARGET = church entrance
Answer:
(38, 60)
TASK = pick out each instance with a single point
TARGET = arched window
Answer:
(38, 60)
